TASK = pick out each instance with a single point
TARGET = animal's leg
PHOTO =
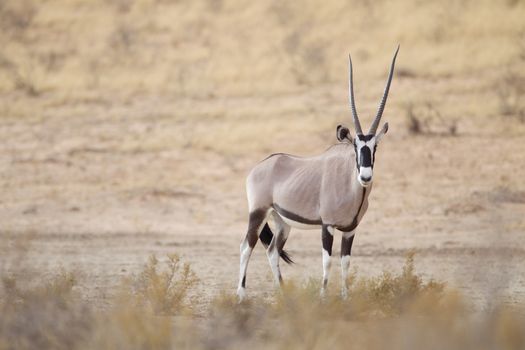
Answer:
(327, 235)
(266, 236)
(276, 247)
(346, 250)
(255, 224)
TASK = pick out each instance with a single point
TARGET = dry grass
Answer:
(204, 49)
(406, 311)
(391, 311)
(394, 311)
(50, 314)
(165, 292)
(144, 115)
(510, 92)
(427, 120)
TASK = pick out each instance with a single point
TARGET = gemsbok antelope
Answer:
(328, 191)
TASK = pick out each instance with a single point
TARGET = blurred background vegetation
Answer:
(128, 127)
(226, 47)
(218, 60)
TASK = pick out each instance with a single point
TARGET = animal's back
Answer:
(268, 175)
(293, 182)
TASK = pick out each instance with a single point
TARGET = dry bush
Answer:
(394, 311)
(128, 326)
(16, 16)
(426, 119)
(511, 92)
(390, 294)
(22, 73)
(123, 37)
(46, 316)
(165, 291)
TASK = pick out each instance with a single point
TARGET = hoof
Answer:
(241, 294)
(344, 294)
(322, 294)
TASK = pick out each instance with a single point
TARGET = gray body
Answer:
(320, 190)
(328, 191)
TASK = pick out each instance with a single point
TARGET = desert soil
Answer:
(127, 129)
(98, 195)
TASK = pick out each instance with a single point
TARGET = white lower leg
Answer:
(246, 252)
(273, 257)
(327, 263)
(345, 264)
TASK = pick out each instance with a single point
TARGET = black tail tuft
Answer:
(266, 237)
(284, 255)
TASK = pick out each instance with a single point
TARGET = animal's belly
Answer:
(299, 225)
(295, 219)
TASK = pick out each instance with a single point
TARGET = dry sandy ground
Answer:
(100, 194)
(127, 128)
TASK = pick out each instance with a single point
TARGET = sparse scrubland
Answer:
(127, 128)
(152, 311)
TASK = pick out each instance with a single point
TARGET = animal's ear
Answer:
(343, 133)
(383, 131)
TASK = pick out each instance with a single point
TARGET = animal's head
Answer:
(365, 145)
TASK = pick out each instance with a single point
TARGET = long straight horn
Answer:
(357, 124)
(375, 124)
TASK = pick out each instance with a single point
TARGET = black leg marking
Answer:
(328, 240)
(266, 237)
(346, 245)
(256, 219)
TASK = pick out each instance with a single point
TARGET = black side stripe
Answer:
(297, 218)
(294, 217)
(354, 223)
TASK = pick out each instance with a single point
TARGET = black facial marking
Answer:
(365, 157)
(365, 138)
(328, 240)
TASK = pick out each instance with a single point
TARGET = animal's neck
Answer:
(359, 190)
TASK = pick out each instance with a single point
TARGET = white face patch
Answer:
(365, 158)
(365, 172)
(370, 143)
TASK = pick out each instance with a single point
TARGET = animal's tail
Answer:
(266, 237)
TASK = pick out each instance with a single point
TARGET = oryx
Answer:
(328, 191)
